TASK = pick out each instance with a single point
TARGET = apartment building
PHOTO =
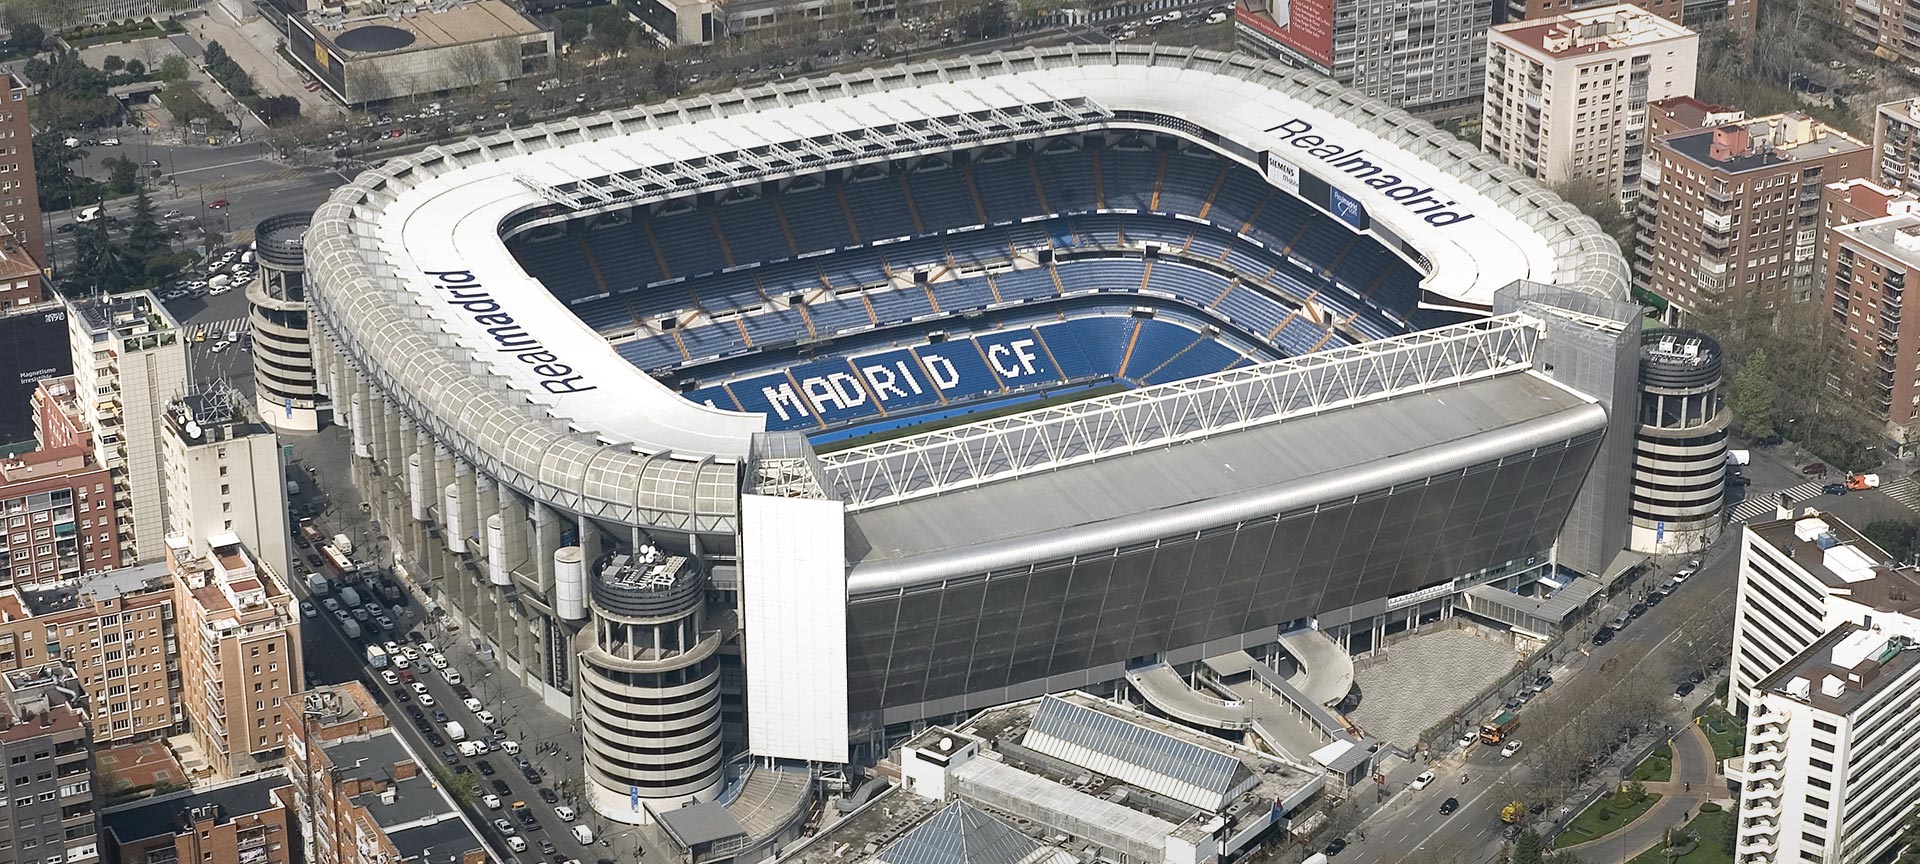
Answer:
(1884, 29)
(240, 640)
(237, 822)
(1428, 58)
(1729, 213)
(369, 800)
(1566, 96)
(1896, 144)
(129, 361)
(224, 474)
(61, 518)
(1870, 243)
(46, 747)
(115, 632)
(1738, 15)
(19, 192)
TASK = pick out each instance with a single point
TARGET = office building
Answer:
(1428, 58)
(1825, 666)
(1566, 96)
(368, 798)
(61, 517)
(1870, 243)
(115, 631)
(46, 747)
(245, 821)
(240, 650)
(1729, 213)
(283, 379)
(1680, 447)
(19, 191)
(33, 348)
(1741, 16)
(224, 474)
(361, 54)
(129, 361)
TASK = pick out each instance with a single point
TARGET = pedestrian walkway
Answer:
(216, 329)
(1904, 490)
(1763, 504)
(1695, 780)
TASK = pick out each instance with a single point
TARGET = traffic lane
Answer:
(304, 190)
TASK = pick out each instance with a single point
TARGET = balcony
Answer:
(1768, 733)
(1764, 790)
(1761, 844)
(1771, 769)
(1760, 810)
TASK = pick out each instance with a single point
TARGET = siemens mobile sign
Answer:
(1304, 27)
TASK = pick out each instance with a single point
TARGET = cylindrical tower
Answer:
(283, 368)
(1680, 447)
(650, 687)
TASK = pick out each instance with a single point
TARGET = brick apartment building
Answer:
(1729, 212)
(115, 632)
(239, 822)
(241, 679)
(1870, 250)
(373, 802)
(19, 192)
(1742, 16)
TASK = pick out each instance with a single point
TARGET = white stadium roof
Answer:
(413, 278)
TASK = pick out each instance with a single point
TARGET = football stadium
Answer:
(787, 421)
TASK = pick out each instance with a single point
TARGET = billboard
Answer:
(33, 347)
(1302, 26)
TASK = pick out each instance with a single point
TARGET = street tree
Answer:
(27, 38)
(145, 237)
(60, 187)
(173, 68)
(99, 266)
(123, 176)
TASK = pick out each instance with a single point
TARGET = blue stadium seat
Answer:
(1158, 342)
(790, 277)
(721, 291)
(960, 294)
(1102, 274)
(880, 209)
(1189, 177)
(942, 197)
(658, 301)
(712, 340)
(1029, 284)
(1191, 284)
(753, 233)
(651, 352)
(688, 242)
(1203, 357)
(1252, 310)
(839, 314)
(604, 314)
(1089, 347)
(1006, 188)
(862, 267)
(900, 304)
(625, 257)
(1126, 178)
(772, 326)
(1299, 336)
(1239, 198)
(816, 219)
(560, 265)
(1068, 179)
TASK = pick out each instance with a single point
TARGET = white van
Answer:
(88, 215)
(583, 834)
(512, 748)
(220, 282)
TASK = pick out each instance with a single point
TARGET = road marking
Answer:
(1905, 491)
(215, 329)
(1753, 507)
(219, 166)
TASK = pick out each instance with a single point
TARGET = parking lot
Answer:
(524, 803)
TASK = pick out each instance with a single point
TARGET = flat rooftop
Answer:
(1295, 462)
(1593, 31)
(1896, 236)
(437, 841)
(156, 817)
(367, 35)
(1840, 671)
(369, 758)
(1845, 561)
(123, 315)
(1774, 140)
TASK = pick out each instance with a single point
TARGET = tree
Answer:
(1600, 202)
(53, 160)
(113, 63)
(145, 238)
(99, 266)
(1528, 848)
(122, 175)
(1752, 396)
(174, 68)
(175, 7)
(278, 110)
(26, 38)
(611, 28)
(136, 68)
(214, 56)
(665, 82)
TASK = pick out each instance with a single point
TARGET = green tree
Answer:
(113, 63)
(99, 265)
(611, 28)
(53, 160)
(1599, 202)
(214, 56)
(1752, 395)
(278, 110)
(27, 38)
(145, 237)
(1528, 848)
(173, 68)
(136, 68)
(122, 175)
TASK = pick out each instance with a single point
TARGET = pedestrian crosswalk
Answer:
(1905, 491)
(1762, 504)
(210, 330)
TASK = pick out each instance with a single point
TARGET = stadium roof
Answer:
(413, 281)
(1113, 746)
(1213, 481)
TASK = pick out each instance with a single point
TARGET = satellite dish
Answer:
(193, 429)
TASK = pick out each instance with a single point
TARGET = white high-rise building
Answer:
(1825, 661)
(224, 475)
(1566, 96)
(129, 361)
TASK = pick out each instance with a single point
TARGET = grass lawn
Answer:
(120, 33)
(1589, 826)
(1657, 767)
(1728, 734)
(1712, 827)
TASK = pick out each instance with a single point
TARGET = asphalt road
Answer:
(333, 658)
(1410, 829)
(269, 193)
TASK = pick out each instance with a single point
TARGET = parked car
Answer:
(1683, 691)
(1814, 469)
(1334, 848)
(1603, 637)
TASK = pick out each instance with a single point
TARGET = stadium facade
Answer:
(1260, 354)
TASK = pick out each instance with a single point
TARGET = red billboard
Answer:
(1304, 26)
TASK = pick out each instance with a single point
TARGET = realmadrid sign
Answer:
(1356, 162)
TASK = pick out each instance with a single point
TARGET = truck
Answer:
(583, 834)
(1512, 813)
(350, 597)
(376, 656)
(310, 534)
(1499, 728)
(455, 731)
(318, 584)
(343, 543)
(337, 561)
(351, 627)
(1738, 458)
(1863, 482)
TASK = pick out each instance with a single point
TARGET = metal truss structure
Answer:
(973, 455)
(792, 152)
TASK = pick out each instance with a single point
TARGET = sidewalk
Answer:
(1695, 781)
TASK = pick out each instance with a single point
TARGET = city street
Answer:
(253, 189)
